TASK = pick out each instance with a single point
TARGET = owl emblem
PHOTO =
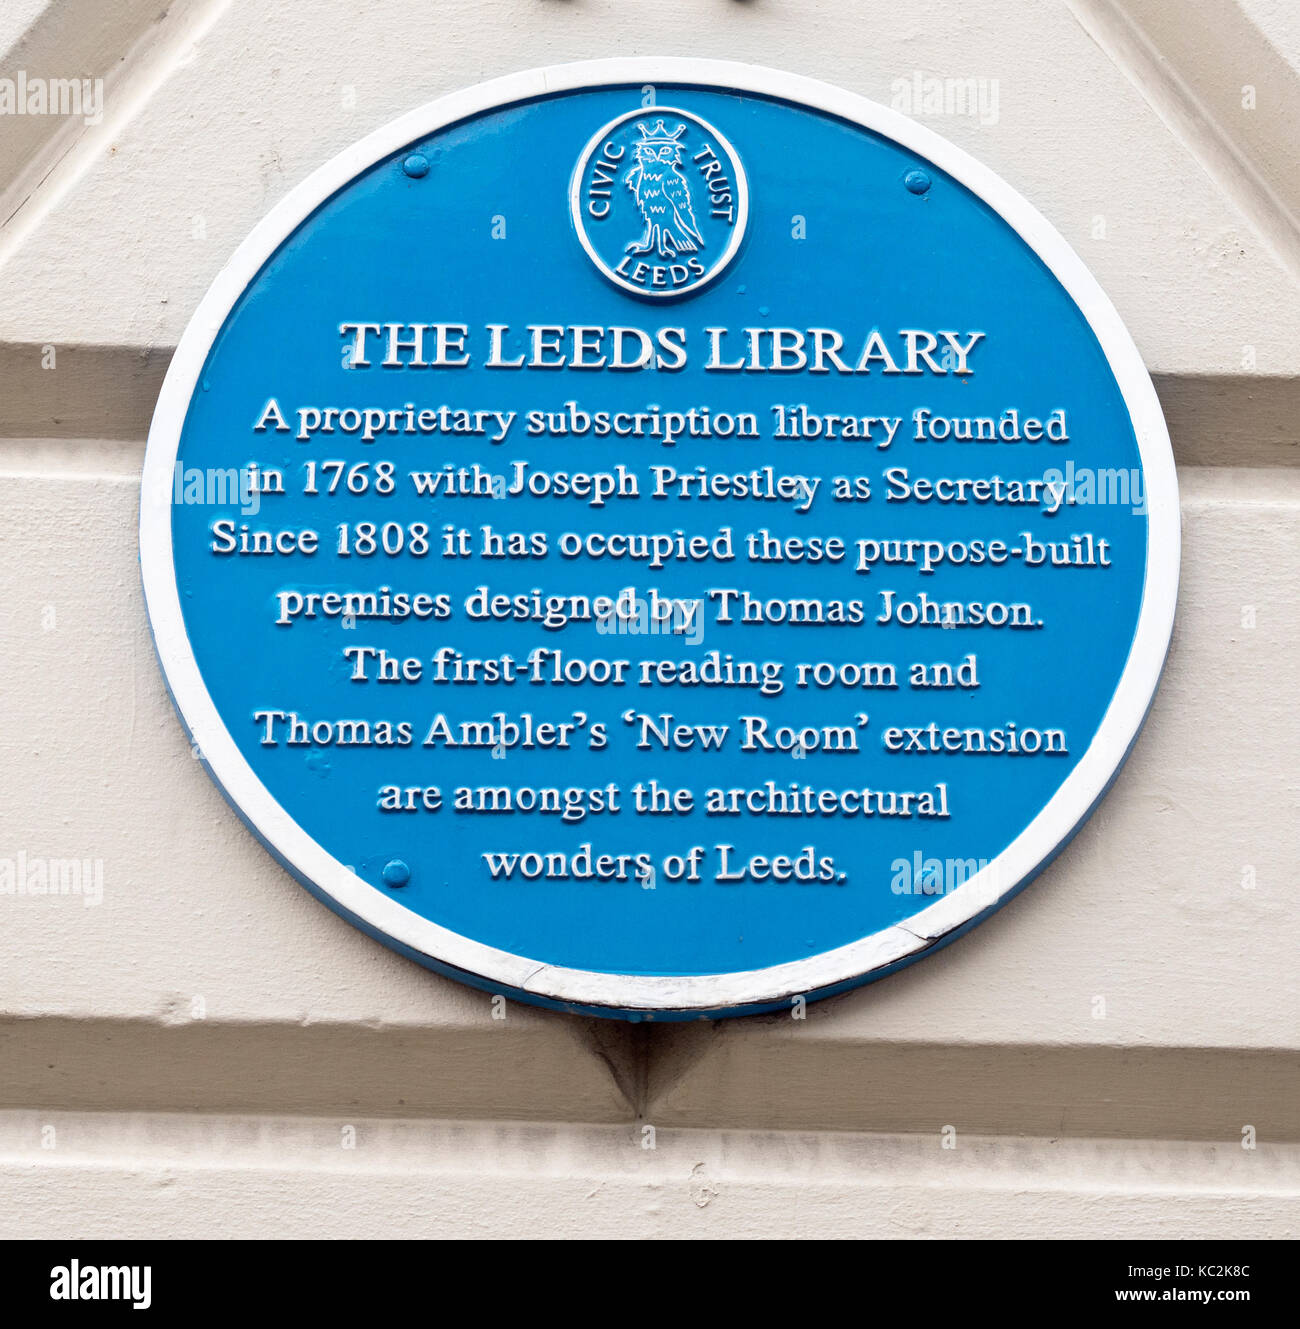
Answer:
(662, 194)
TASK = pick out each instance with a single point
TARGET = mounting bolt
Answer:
(416, 166)
(917, 182)
(396, 873)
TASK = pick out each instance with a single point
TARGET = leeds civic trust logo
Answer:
(659, 201)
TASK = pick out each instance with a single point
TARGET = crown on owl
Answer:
(658, 136)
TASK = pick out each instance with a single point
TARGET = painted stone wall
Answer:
(189, 1043)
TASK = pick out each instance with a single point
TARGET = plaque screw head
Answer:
(396, 873)
(918, 182)
(416, 165)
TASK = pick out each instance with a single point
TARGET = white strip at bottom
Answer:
(87, 1175)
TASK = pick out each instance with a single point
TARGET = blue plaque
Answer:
(659, 538)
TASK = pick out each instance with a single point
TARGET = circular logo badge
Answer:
(660, 202)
